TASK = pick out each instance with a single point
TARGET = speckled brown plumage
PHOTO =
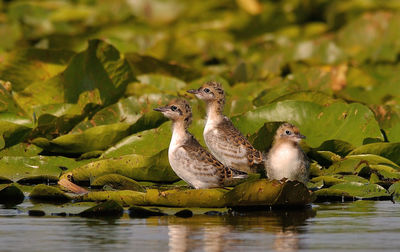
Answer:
(188, 158)
(223, 140)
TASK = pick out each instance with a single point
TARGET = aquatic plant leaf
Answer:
(137, 167)
(92, 139)
(117, 182)
(48, 193)
(362, 190)
(394, 189)
(387, 150)
(12, 133)
(122, 197)
(10, 194)
(268, 193)
(21, 149)
(63, 209)
(16, 168)
(186, 198)
(108, 208)
(351, 123)
(147, 142)
(144, 64)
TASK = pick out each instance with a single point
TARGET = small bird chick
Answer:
(286, 159)
(223, 140)
(189, 160)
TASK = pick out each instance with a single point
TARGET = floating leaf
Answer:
(108, 208)
(122, 197)
(10, 194)
(17, 168)
(118, 182)
(143, 212)
(137, 167)
(268, 193)
(388, 150)
(394, 189)
(62, 210)
(48, 193)
(347, 122)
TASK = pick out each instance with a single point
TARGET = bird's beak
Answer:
(301, 136)
(193, 91)
(161, 109)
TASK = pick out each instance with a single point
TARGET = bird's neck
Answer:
(215, 111)
(179, 132)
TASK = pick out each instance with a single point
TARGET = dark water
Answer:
(355, 226)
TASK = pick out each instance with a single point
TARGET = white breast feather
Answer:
(285, 162)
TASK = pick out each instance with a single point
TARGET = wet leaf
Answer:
(394, 189)
(347, 122)
(117, 182)
(388, 150)
(10, 194)
(361, 190)
(48, 193)
(92, 139)
(137, 167)
(144, 212)
(12, 133)
(17, 168)
(268, 193)
(108, 208)
(186, 198)
(62, 210)
(122, 197)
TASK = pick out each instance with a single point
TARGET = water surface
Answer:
(355, 226)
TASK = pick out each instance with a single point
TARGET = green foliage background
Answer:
(80, 78)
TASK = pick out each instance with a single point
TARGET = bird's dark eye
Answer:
(288, 132)
(173, 108)
(207, 90)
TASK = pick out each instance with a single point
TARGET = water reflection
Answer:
(219, 233)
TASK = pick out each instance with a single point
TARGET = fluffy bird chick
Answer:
(223, 140)
(286, 159)
(189, 160)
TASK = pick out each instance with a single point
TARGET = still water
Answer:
(355, 226)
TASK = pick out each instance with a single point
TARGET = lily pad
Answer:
(351, 123)
(17, 168)
(122, 197)
(118, 182)
(96, 138)
(137, 167)
(361, 190)
(395, 191)
(63, 209)
(108, 208)
(10, 194)
(143, 212)
(48, 193)
(268, 193)
(388, 150)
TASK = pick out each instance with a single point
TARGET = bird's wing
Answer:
(228, 133)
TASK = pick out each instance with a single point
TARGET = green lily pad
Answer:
(17, 168)
(186, 198)
(137, 167)
(117, 182)
(386, 172)
(21, 149)
(394, 189)
(388, 150)
(143, 64)
(147, 142)
(330, 180)
(12, 133)
(310, 96)
(48, 193)
(361, 190)
(108, 208)
(10, 194)
(96, 138)
(122, 197)
(351, 123)
(353, 164)
(268, 193)
(63, 209)
(143, 212)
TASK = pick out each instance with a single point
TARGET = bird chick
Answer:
(189, 160)
(286, 159)
(223, 140)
